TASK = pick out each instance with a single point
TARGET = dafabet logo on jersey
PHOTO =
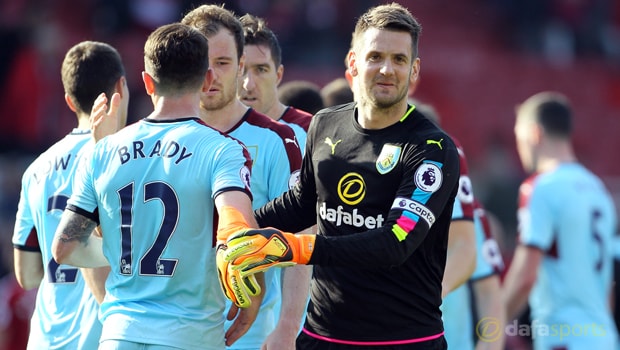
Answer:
(351, 188)
(351, 191)
(388, 158)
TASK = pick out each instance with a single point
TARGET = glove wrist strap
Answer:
(305, 245)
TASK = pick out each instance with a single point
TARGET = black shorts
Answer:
(306, 342)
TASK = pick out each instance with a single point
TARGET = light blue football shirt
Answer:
(152, 185)
(275, 169)
(458, 312)
(456, 306)
(65, 314)
(569, 215)
(300, 134)
(299, 121)
(489, 259)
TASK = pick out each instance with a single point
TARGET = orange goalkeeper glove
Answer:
(255, 250)
(236, 288)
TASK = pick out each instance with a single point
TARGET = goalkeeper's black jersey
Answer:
(374, 193)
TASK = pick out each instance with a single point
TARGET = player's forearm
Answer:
(233, 219)
(519, 282)
(461, 257)
(28, 268)
(515, 296)
(458, 269)
(492, 315)
(370, 249)
(295, 287)
(88, 254)
(28, 282)
(95, 280)
(74, 244)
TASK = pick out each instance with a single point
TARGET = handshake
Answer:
(249, 251)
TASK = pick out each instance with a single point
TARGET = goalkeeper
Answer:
(379, 179)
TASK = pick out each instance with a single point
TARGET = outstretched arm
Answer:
(409, 220)
(235, 213)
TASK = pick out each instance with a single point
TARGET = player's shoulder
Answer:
(330, 118)
(456, 141)
(188, 132)
(577, 177)
(528, 183)
(123, 133)
(418, 124)
(146, 126)
(204, 128)
(298, 113)
(549, 187)
(459, 147)
(431, 138)
(296, 116)
(71, 142)
(336, 111)
(60, 153)
(119, 137)
(562, 175)
(268, 125)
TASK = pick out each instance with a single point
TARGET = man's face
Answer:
(383, 66)
(259, 83)
(226, 71)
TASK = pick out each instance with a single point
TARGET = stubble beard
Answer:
(385, 102)
(216, 103)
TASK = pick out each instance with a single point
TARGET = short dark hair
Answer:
(177, 57)
(552, 111)
(256, 32)
(390, 17)
(301, 94)
(210, 19)
(88, 69)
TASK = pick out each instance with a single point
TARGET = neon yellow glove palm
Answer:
(255, 250)
(236, 288)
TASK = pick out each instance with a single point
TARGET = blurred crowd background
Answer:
(479, 59)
